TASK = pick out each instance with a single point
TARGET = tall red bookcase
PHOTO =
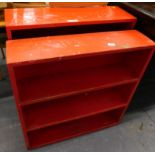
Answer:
(37, 22)
(69, 85)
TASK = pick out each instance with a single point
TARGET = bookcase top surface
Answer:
(58, 47)
(33, 17)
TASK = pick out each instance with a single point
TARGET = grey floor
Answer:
(135, 133)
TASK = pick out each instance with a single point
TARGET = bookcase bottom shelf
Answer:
(74, 128)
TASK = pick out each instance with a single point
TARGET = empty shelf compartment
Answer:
(65, 30)
(70, 76)
(65, 109)
(74, 128)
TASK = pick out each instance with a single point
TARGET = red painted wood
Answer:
(26, 21)
(65, 91)
(75, 107)
(61, 47)
(74, 128)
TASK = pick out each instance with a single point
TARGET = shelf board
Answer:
(54, 17)
(74, 128)
(49, 87)
(75, 118)
(72, 108)
(72, 46)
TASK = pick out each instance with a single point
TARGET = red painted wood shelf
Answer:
(69, 85)
(33, 22)
(74, 128)
(84, 105)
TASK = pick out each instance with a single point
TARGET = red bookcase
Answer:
(36, 22)
(69, 85)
